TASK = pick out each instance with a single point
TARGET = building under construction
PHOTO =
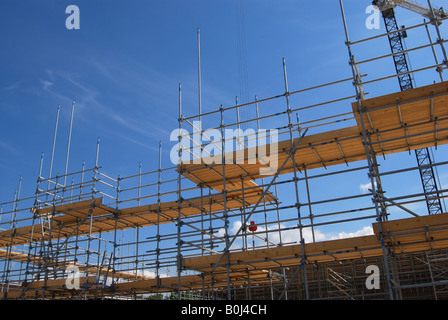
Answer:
(241, 216)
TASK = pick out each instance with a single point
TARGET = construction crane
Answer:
(395, 36)
(384, 5)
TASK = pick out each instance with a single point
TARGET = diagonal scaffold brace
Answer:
(264, 193)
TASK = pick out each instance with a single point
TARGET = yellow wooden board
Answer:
(190, 282)
(22, 257)
(397, 122)
(66, 220)
(406, 120)
(408, 235)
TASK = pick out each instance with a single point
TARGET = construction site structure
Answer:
(243, 216)
(430, 13)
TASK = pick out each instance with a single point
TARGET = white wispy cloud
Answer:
(56, 84)
(46, 84)
(292, 235)
(8, 147)
(366, 231)
(13, 86)
(364, 188)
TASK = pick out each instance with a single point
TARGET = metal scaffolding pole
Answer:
(54, 146)
(68, 145)
(225, 211)
(159, 185)
(179, 201)
(358, 89)
(296, 186)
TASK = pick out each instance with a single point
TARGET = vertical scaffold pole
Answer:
(238, 138)
(200, 147)
(50, 172)
(114, 267)
(114, 254)
(439, 36)
(210, 215)
(202, 220)
(296, 179)
(225, 212)
(97, 153)
(68, 146)
(36, 205)
(159, 185)
(262, 179)
(436, 59)
(82, 179)
(139, 182)
(309, 202)
(138, 228)
(13, 225)
(199, 76)
(90, 213)
(243, 216)
(368, 153)
(179, 201)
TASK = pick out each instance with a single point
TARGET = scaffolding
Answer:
(241, 213)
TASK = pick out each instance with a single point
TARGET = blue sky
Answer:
(124, 64)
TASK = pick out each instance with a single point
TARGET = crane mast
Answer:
(423, 156)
